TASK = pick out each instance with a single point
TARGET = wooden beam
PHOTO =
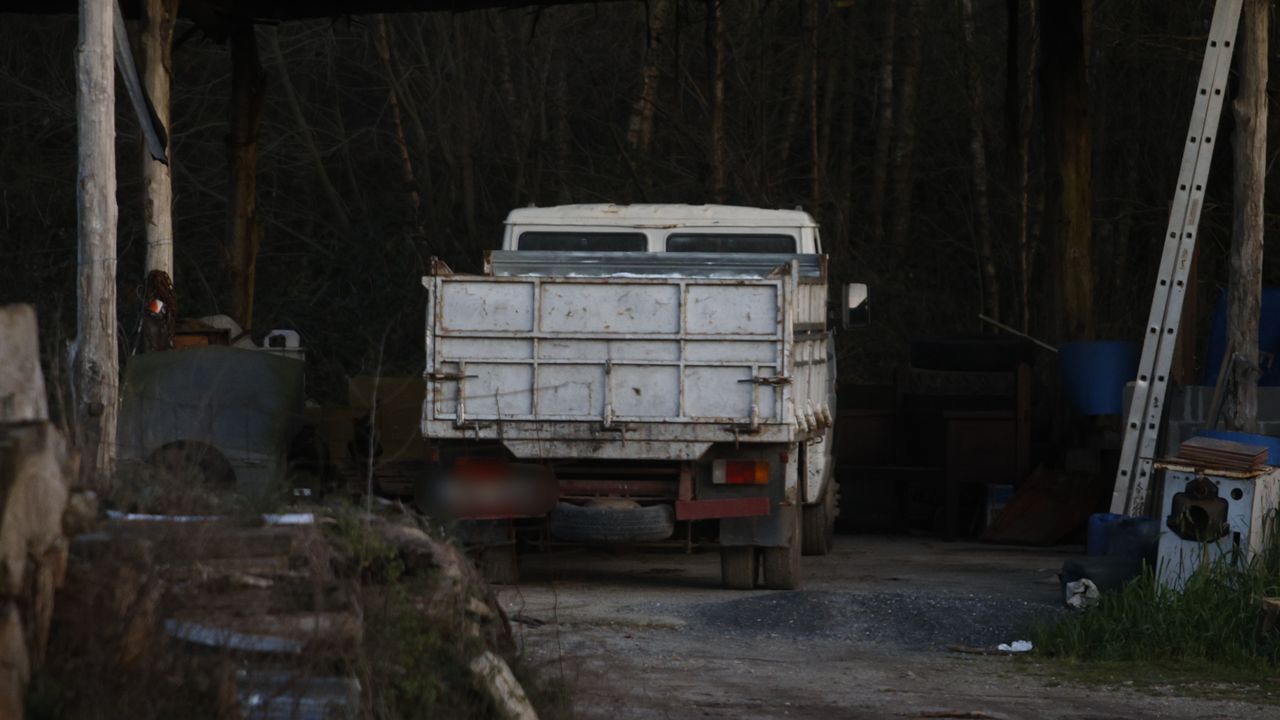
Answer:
(95, 363)
(159, 18)
(1244, 285)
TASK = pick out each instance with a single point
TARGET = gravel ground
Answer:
(639, 635)
(904, 621)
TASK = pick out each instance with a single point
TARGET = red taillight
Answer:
(746, 472)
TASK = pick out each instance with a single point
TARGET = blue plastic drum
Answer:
(1095, 374)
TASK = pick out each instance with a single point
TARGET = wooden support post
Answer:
(159, 17)
(243, 232)
(95, 363)
(1244, 286)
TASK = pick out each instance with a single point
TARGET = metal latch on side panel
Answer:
(773, 381)
(446, 376)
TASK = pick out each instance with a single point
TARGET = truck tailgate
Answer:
(607, 351)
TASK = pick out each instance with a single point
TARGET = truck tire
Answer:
(603, 524)
(819, 521)
(782, 564)
(738, 567)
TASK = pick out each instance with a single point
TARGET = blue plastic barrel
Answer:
(1095, 374)
(1096, 533)
(1272, 444)
(1135, 538)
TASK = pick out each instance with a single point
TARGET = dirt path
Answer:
(652, 635)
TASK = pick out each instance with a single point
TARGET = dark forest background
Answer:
(498, 109)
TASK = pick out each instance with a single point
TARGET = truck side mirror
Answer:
(855, 306)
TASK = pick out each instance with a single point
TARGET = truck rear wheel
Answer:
(819, 522)
(738, 568)
(782, 564)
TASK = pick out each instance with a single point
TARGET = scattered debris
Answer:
(506, 691)
(285, 694)
(1081, 594)
(1017, 646)
(1222, 454)
(1046, 508)
(269, 519)
(229, 640)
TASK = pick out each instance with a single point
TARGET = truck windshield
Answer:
(730, 243)
(567, 241)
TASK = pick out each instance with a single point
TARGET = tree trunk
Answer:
(1012, 72)
(905, 125)
(159, 17)
(1064, 88)
(382, 43)
(1244, 288)
(884, 124)
(811, 51)
(244, 234)
(640, 127)
(978, 148)
(562, 134)
(95, 362)
(715, 71)
(1026, 120)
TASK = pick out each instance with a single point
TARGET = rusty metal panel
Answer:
(729, 508)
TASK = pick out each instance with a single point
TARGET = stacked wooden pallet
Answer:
(1222, 454)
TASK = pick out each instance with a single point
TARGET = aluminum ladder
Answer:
(1142, 431)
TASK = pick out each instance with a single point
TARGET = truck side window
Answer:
(567, 241)
(730, 243)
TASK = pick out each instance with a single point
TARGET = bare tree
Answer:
(978, 148)
(334, 199)
(884, 122)
(244, 234)
(1026, 118)
(1064, 89)
(904, 147)
(811, 52)
(640, 126)
(383, 45)
(715, 63)
(1244, 289)
(95, 360)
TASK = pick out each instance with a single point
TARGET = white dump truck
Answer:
(642, 373)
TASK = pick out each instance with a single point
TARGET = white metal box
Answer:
(1207, 515)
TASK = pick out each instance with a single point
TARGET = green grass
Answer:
(1146, 632)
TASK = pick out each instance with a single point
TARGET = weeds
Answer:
(1215, 619)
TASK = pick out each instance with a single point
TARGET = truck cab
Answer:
(661, 228)
(656, 372)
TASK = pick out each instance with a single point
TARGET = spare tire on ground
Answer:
(612, 523)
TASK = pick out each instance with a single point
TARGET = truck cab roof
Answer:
(661, 215)
(661, 228)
